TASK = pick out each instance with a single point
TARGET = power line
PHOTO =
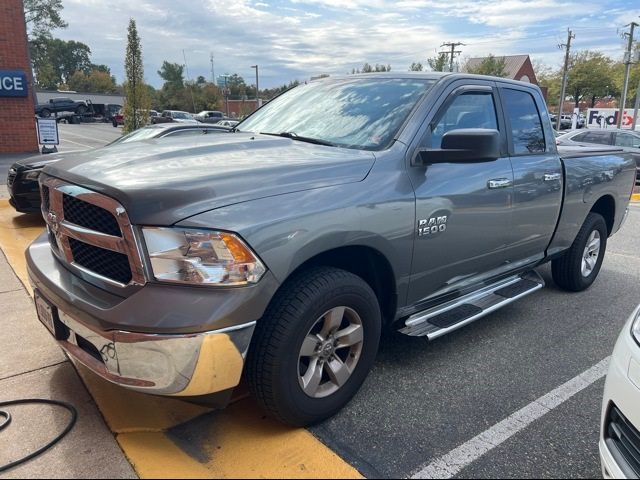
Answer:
(567, 46)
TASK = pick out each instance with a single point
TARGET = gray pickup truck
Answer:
(279, 252)
(59, 105)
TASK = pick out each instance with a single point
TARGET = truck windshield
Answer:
(359, 113)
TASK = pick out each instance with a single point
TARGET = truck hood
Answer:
(161, 182)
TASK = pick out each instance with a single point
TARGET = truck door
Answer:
(537, 170)
(463, 210)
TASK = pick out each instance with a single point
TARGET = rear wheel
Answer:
(578, 268)
(81, 110)
(45, 113)
(314, 346)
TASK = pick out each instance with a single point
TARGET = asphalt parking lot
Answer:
(444, 408)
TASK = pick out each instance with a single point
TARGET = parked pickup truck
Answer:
(413, 202)
(57, 105)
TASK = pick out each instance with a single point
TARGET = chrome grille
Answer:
(90, 216)
(104, 262)
(91, 232)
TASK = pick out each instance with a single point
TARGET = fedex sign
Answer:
(13, 83)
(608, 118)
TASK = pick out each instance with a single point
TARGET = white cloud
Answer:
(300, 38)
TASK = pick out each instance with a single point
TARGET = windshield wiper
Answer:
(295, 136)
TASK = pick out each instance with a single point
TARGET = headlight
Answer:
(32, 175)
(201, 257)
(635, 328)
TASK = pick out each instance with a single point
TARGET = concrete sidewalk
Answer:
(33, 366)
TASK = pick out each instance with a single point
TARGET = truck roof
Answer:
(426, 76)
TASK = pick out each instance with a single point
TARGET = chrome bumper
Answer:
(177, 365)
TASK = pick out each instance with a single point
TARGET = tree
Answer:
(172, 74)
(136, 104)
(42, 16)
(416, 67)
(96, 81)
(367, 68)
(438, 63)
(491, 65)
(589, 76)
(55, 61)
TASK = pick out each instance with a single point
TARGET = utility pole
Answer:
(453, 52)
(636, 106)
(213, 75)
(184, 55)
(627, 66)
(563, 89)
(257, 87)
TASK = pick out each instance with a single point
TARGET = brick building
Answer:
(17, 124)
(517, 67)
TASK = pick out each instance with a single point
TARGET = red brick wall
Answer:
(17, 124)
(527, 69)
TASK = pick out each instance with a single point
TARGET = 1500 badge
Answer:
(432, 225)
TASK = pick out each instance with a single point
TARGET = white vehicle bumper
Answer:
(622, 392)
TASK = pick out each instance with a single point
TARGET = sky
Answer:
(297, 39)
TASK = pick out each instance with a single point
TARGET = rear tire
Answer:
(45, 113)
(302, 367)
(81, 110)
(578, 268)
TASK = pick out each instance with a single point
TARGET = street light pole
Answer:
(257, 87)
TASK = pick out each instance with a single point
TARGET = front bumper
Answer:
(24, 194)
(622, 390)
(190, 341)
(180, 365)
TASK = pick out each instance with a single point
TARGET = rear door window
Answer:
(522, 114)
(627, 140)
(600, 138)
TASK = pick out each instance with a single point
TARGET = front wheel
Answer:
(315, 345)
(578, 268)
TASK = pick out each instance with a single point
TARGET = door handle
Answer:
(551, 177)
(499, 183)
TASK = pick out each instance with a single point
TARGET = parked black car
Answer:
(56, 105)
(22, 180)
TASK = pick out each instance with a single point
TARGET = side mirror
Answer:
(465, 145)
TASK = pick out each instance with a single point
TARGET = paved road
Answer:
(72, 138)
(424, 399)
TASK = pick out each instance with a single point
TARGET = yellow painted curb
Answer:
(635, 197)
(238, 442)
(17, 231)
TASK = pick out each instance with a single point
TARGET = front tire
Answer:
(578, 268)
(315, 345)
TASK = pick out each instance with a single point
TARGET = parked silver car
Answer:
(628, 140)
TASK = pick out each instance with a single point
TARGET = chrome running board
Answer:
(438, 321)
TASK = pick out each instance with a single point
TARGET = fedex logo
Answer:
(608, 117)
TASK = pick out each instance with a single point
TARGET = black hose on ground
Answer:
(7, 421)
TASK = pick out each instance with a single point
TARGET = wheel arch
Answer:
(606, 206)
(367, 263)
